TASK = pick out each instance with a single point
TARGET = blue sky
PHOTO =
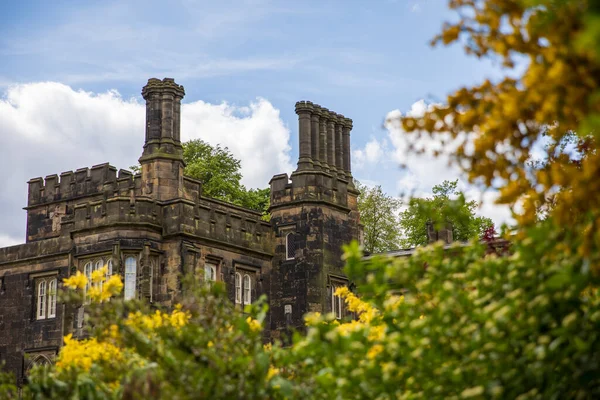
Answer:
(359, 58)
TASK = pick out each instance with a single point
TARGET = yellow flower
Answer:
(95, 293)
(210, 344)
(99, 275)
(113, 286)
(272, 372)
(254, 324)
(77, 281)
(312, 319)
(83, 354)
(374, 351)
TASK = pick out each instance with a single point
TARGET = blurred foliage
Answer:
(550, 51)
(447, 206)
(379, 217)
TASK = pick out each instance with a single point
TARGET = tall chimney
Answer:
(162, 158)
(163, 119)
(323, 138)
(339, 147)
(346, 128)
(304, 110)
(315, 141)
(331, 141)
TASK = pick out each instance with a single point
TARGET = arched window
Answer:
(52, 299)
(247, 289)
(41, 300)
(210, 273)
(238, 288)
(290, 247)
(97, 267)
(130, 277)
(37, 361)
(45, 292)
(337, 302)
(87, 271)
(109, 269)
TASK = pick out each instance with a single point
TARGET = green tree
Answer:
(379, 217)
(216, 167)
(448, 205)
(220, 174)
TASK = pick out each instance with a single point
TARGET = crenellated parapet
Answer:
(70, 185)
(52, 200)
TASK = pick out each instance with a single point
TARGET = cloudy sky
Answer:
(72, 71)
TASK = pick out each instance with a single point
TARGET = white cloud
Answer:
(47, 128)
(6, 241)
(254, 134)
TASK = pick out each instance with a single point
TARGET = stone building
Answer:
(153, 227)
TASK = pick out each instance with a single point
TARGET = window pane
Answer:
(247, 290)
(87, 271)
(210, 272)
(290, 246)
(130, 278)
(52, 299)
(238, 287)
(41, 303)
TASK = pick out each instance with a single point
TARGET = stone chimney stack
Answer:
(444, 234)
(162, 158)
(163, 118)
(324, 138)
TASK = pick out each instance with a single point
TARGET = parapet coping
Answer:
(312, 201)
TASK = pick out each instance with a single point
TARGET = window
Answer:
(247, 289)
(290, 247)
(210, 273)
(337, 303)
(130, 277)
(238, 288)
(46, 297)
(52, 299)
(38, 359)
(87, 271)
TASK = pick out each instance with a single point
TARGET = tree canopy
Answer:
(220, 174)
(379, 217)
(448, 205)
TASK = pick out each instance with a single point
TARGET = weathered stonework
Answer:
(161, 219)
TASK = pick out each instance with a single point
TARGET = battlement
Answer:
(71, 185)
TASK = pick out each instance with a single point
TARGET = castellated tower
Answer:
(313, 213)
(154, 227)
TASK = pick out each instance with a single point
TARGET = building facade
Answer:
(156, 226)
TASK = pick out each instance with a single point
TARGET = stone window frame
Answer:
(40, 356)
(290, 245)
(95, 262)
(338, 305)
(243, 271)
(216, 262)
(50, 298)
(126, 275)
